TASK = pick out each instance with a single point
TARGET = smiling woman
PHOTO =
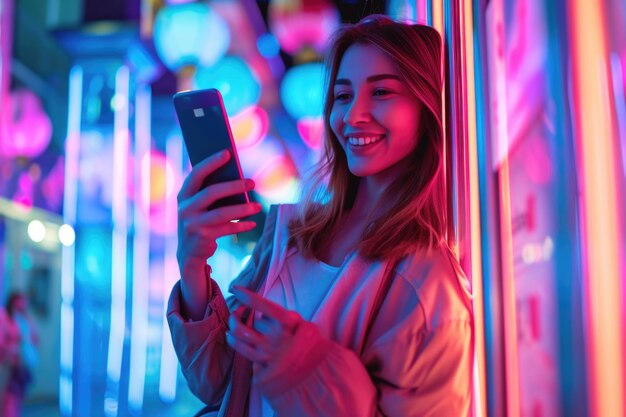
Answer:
(353, 303)
(374, 107)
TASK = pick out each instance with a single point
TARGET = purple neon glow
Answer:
(28, 130)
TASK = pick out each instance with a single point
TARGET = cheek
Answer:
(404, 121)
(336, 123)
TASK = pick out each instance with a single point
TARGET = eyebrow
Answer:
(370, 79)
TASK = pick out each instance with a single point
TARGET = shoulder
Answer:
(439, 286)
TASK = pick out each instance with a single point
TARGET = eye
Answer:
(381, 92)
(342, 96)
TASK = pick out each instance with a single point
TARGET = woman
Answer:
(352, 304)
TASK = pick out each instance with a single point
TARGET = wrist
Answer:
(193, 266)
(195, 289)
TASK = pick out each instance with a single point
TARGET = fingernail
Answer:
(225, 153)
(257, 206)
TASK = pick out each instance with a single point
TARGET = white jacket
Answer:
(416, 361)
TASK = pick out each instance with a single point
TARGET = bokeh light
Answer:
(67, 235)
(36, 231)
(302, 90)
(235, 81)
(277, 181)
(268, 45)
(249, 127)
(311, 130)
(28, 129)
(190, 34)
(308, 26)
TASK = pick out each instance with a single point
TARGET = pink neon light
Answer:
(28, 129)
(309, 26)
(311, 131)
(158, 172)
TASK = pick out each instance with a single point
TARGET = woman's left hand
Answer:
(273, 330)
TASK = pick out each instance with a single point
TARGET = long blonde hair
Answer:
(416, 202)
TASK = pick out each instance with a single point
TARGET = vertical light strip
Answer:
(498, 103)
(480, 383)
(422, 11)
(508, 295)
(438, 23)
(141, 251)
(437, 10)
(6, 47)
(119, 246)
(620, 104)
(595, 143)
(70, 199)
(169, 362)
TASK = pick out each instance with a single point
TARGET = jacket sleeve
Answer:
(201, 347)
(205, 357)
(405, 372)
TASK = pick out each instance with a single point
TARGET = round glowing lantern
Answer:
(302, 23)
(249, 127)
(253, 158)
(301, 90)
(190, 34)
(28, 131)
(311, 130)
(234, 79)
(277, 181)
(268, 45)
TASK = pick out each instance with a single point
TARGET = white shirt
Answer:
(301, 286)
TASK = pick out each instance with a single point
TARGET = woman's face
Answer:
(374, 115)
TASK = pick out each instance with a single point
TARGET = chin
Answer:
(361, 172)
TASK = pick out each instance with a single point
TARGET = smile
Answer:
(364, 141)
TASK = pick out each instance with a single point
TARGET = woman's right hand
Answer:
(199, 227)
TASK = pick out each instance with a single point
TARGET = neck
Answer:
(369, 195)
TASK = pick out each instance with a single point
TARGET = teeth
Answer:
(362, 141)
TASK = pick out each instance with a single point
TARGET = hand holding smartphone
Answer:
(206, 131)
(213, 200)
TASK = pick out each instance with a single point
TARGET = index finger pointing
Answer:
(260, 304)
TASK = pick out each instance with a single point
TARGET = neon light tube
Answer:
(70, 198)
(169, 362)
(141, 251)
(119, 246)
(595, 141)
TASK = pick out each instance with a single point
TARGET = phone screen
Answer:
(206, 131)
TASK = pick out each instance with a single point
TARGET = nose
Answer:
(358, 111)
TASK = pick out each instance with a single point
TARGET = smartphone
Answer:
(206, 131)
